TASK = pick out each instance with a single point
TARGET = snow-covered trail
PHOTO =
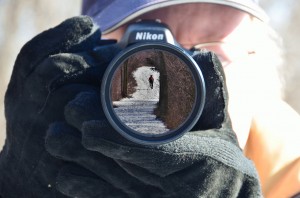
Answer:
(137, 111)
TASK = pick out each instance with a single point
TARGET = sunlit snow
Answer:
(136, 111)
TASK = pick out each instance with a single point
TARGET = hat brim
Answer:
(108, 21)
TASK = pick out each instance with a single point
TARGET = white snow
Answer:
(136, 111)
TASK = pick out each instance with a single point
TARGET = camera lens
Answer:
(152, 93)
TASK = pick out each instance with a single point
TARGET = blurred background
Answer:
(21, 20)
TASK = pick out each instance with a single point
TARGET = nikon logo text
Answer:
(149, 36)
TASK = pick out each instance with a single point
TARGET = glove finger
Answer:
(215, 108)
(39, 87)
(70, 36)
(84, 67)
(52, 70)
(215, 113)
(64, 69)
(163, 159)
(101, 137)
(85, 106)
(63, 142)
(75, 181)
(164, 185)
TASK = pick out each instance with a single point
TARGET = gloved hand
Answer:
(205, 162)
(40, 87)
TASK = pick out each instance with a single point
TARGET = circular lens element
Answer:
(153, 93)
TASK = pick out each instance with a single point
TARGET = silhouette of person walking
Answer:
(151, 80)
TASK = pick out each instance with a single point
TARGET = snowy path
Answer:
(137, 111)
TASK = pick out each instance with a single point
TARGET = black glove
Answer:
(41, 85)
(205, 162)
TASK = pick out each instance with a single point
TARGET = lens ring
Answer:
(129, 133)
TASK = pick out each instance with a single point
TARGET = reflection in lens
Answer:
(153, 92)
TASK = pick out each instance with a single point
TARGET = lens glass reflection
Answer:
(153, 92)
